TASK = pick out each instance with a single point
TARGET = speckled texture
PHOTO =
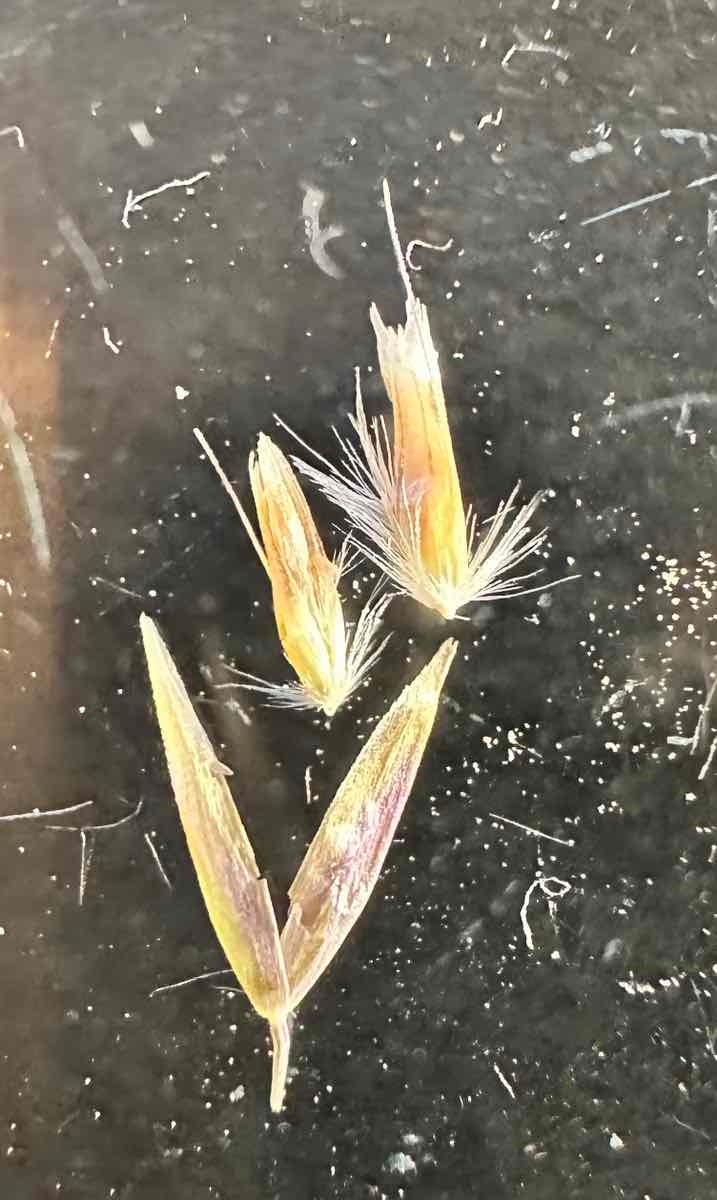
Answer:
(439, 1058)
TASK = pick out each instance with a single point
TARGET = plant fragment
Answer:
(342, 864)
(403, 494)
(340, 868)
(330, 659)
(236, 897)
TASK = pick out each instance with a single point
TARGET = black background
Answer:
(556, 339)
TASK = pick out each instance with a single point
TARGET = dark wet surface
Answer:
(439, 1057)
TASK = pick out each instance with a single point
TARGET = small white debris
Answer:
(134, 203)
(85, 255)
(508, 1087)
(113, 346)
(317, 237)
(141, 134)
(553, 889)
(585, 153)
(491, 118)
(613, 950)
(616, 1142)
(27, 483)
(181, 392)
(53, 335)
(634, 988)
(426, 246)
(17, 132)
(237, 1094)
(401, 1164)
(684, 135)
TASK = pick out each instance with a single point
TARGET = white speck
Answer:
(181, 392)
(237, 1094)
(616, 1142)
